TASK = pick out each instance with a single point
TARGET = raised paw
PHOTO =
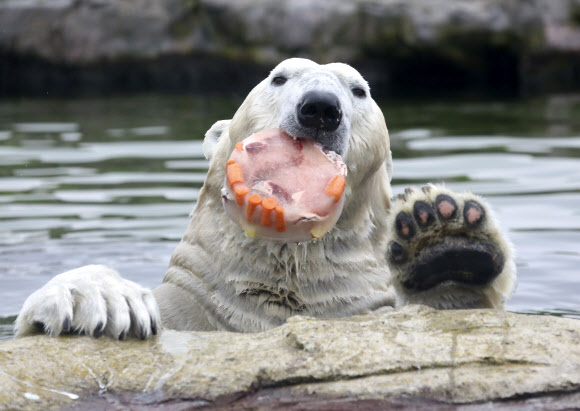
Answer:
(446, 251)
(92, 300)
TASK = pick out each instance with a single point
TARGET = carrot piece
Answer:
(241, 191)
(280, 223)
(253, 202)
(240, 146)
(230, 161)
(235, 174)
(268, 204)
(335, 188)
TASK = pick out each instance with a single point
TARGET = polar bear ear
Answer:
(390, 165)
(212, 136)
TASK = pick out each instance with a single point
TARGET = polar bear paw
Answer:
(446, 251)
(93, 300)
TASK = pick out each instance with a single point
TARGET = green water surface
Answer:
(112, 181)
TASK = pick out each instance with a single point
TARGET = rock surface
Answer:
(406, 44)
(415, 357)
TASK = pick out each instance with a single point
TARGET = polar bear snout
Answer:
(321, 115)
(319, 110)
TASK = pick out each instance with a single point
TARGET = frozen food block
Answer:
(283, 188)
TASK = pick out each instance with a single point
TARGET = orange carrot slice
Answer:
(268, 204)
(230, 161)
(241, 191)
(253, 202)
(240, 146)
(335, 188)
(280, 223)
(235, 174)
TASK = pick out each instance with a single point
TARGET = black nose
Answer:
(320, 110)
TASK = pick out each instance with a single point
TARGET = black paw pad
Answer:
(473, 214)
(446, 207)
(404, 225)
(464, 262)
(423, 213)
(399, 254)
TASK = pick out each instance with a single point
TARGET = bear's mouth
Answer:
(335, 140)
(284, 188)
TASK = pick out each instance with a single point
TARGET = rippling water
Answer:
(112, 181)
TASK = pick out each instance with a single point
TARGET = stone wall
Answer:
(402, 46)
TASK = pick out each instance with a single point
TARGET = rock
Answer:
(403, 46)
(87, 31)
(415, 356)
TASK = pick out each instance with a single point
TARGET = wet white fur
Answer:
(219, 279)
(90, 296)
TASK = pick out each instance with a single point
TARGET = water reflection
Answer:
(112, 181)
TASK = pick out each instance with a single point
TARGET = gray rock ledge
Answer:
(402, 46)
(415, 356)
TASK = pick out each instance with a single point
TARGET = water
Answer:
(112, 181)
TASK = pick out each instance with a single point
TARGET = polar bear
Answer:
(432, 246)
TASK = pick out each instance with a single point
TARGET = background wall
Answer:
(71, 47)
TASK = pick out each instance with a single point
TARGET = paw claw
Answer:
(446, 207)
(427, 189)
(66, 324)
(99, 330)
(142, 332)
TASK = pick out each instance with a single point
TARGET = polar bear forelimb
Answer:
(446, 250)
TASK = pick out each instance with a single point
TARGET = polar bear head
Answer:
(330, 104)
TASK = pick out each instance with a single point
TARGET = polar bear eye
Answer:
(359, 92)
(279, 80)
